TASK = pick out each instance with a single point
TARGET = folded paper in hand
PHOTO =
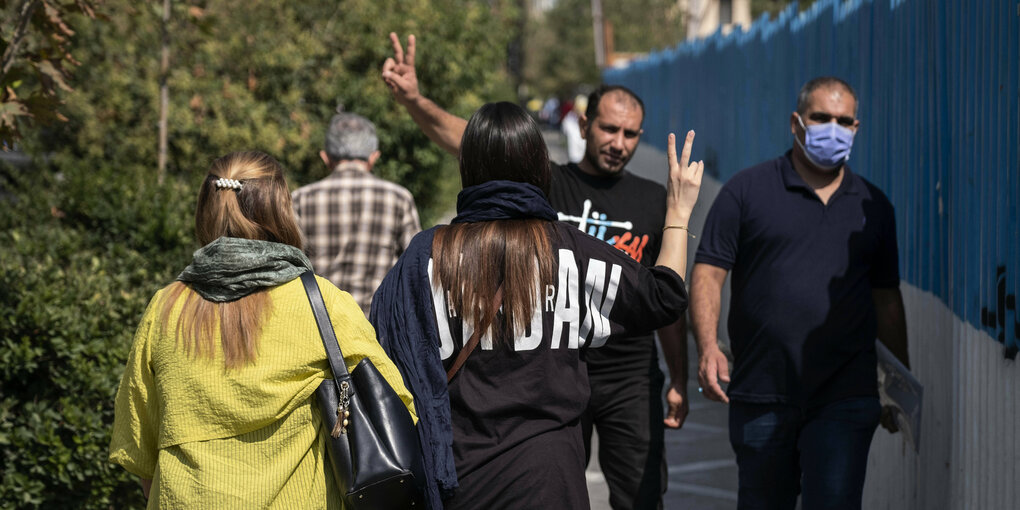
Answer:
(901, 391)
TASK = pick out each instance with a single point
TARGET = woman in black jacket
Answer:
(505, 432)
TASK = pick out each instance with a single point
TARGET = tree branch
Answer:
(27, 9)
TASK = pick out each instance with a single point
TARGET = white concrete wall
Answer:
(969, 450)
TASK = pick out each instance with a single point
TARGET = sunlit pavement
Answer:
(702, 467)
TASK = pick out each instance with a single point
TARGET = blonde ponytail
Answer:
(260, 209)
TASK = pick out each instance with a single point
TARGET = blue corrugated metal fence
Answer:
(938, 84)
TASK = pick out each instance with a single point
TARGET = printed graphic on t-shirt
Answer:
(558, 313)
(595, 224)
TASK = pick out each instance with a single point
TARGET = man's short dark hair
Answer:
(804, 97)
(592, 112)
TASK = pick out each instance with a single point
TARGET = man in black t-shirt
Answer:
(600, 197)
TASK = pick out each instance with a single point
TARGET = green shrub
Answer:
(67, 326)
(81, 256)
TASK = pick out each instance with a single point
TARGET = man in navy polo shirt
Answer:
(812, 249)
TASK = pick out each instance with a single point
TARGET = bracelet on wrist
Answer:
(681, 227)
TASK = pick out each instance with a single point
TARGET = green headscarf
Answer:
(230, 268)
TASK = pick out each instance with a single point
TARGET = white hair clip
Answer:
(229, 183)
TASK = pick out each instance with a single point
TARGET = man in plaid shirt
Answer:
(355, 224)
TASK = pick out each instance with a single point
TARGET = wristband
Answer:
(681, 227)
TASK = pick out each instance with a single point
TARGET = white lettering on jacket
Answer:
(567, 310)
(559, 300)
(439, 306)
(599, 298)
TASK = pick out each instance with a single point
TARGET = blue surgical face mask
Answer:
(826, 145)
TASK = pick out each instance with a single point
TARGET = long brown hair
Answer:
(260, 210)
(501, 142)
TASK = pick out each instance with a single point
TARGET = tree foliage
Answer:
(268, 75)
(35, 62)
(559, 55)
(87, 235)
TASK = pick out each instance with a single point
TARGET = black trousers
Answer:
(627, 413)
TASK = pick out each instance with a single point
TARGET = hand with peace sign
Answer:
(684, 181)
(398, 71)
(682, 189)
(442, 127)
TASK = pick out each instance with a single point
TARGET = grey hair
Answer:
(804, 97)
(350, 136)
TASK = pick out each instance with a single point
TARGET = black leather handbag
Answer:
(373, 445)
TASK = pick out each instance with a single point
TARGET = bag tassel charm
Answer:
(343, 412)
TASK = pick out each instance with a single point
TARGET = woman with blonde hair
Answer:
(215, 409)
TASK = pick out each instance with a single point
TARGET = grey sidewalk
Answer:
(702, 468)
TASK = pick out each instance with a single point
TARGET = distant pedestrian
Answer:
(356, 225)
(813, 255)
(571, 128)
(550, 113)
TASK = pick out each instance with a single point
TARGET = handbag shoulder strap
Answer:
(476, 337)
(333, 354)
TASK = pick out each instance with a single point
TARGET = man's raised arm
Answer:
(442, 127)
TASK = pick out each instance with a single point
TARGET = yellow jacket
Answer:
(244, 438)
